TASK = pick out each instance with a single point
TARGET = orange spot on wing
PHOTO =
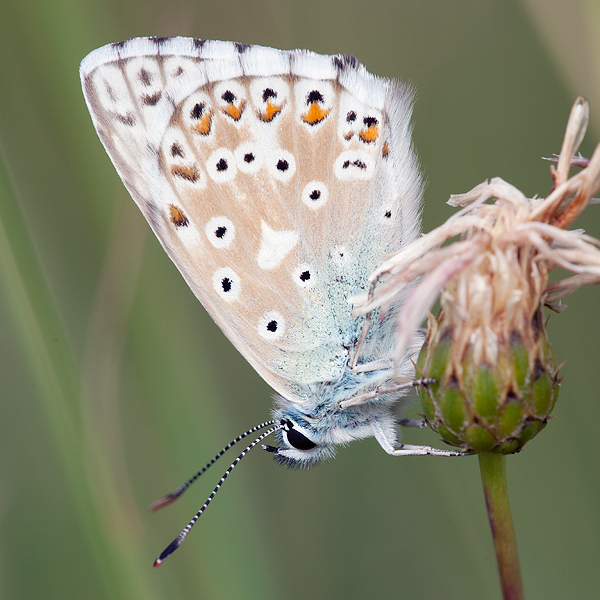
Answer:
(315, 114)
(270, 112)
(204, 124)
(178, 217)
(369, 134)
(235, 112)
(184, 172)
(386, 150)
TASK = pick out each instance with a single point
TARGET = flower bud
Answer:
(486, 406)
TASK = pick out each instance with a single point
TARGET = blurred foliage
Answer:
(116, 386)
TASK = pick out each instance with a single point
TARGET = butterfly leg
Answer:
(363, 336)
(373, 394)
(408, 450)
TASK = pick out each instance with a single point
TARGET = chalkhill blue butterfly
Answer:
(274, 180)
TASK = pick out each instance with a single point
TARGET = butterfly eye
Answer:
(299, 440)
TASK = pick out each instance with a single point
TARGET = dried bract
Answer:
(495, 371)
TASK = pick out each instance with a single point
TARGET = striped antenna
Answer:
(179, 539)
(165, 500)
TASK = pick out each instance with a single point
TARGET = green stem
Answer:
(493, 477)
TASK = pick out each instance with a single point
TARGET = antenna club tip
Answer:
(162, 502)
(157, 563)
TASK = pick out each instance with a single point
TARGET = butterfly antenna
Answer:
(179, 539)
(165, 500)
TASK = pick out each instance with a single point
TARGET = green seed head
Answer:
(484, 404)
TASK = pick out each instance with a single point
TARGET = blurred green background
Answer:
(116, 386)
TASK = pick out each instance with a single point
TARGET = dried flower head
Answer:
(495, 371)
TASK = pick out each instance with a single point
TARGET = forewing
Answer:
(273, 180)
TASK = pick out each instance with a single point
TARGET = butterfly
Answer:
(274, 180)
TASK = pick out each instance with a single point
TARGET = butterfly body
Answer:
(274, 180)
(326, 426)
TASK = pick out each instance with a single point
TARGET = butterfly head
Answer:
(300, 443)
(307, 437)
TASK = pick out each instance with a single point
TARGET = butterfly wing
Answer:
(274, 180)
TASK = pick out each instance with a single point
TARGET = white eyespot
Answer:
(340, 256)
(176, 66)
(271, 325)
(304, 275)
(270, 98)
(314, 103)
(227, 284)
(221, 165)
(248, 158)
(114, 97)
(281, 165)
(231, 100)
(179, 161)
(354, 164)
(220, 232)
(197, 112)
(315, 194)
(358, 123)
(146, 77)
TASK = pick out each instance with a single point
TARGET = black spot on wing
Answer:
(314, 96)
(197, 111)
(159, 41)
(268, 93)
(127, 119)
(228, 96)
(354, 163)
(177, 150)
(345, 61)
(145, 77)
(241, 48)
(151, 100)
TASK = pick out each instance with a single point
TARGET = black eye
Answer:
(299, 440)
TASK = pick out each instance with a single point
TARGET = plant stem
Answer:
(493, 477)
